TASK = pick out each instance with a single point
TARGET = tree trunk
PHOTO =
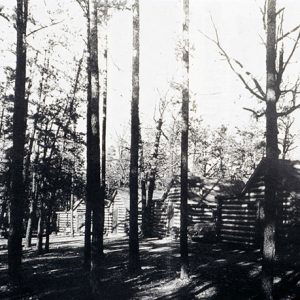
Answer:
(2, 212)
(143, 188)
(134, 256)
(19, 130)
(104, 107)
(29, 225)
(93, 145)
(32, 138)
(88, 209)
(72, 211)
(48, 229)
(87, 235)
(40, 231)
(103, 137)
(32, 211)
(48, 218)
(144, 203)
(269, 203)
(184, 147)
(152, 178)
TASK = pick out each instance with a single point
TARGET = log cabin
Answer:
(240, 216)
(202, 204)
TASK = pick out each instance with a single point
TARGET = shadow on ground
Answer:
(217, 272)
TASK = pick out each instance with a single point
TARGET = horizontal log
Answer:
(247, 227)
(238, 216)
(237, 221)
(250, 243)
(239, 211)
(239, 233)
(237, 238)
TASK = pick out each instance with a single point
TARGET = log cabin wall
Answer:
(239, 217)
(116, 219)
(166, 214)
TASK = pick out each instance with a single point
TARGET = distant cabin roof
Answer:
(123, 193)
(288, 175)
(213, 186)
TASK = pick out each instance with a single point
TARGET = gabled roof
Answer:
(288, 175)
(211, 188)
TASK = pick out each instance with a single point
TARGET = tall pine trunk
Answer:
(143, 189)
(19, 130)
(269, 203)
(88, 209)
(104, 113)
(184, 146)
(134, 255)
(93, 144)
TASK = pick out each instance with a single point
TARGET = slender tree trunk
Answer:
(72, 211)
(134, 256)
(269, 203)
(31, 146)
(144, 203)
(40, 231)
(93, 146)
(47, 232)
(48, 228)
(104, 114)
(2, 119)
(48, 219)
(19, 130)
(2, 212)
(32, 138)
(29, 225)
(88, 209)
(87, 235)
(143, 189)
(152, 178)
(184, 147)
(104, 105)
(32, 208)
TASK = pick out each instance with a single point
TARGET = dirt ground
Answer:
(217, 271)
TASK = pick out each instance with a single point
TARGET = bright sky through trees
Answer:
(219, 94)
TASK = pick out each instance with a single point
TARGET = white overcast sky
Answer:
(219, 95)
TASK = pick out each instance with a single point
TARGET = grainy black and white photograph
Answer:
(150, 149)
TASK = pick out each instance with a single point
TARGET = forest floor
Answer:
(217, 272)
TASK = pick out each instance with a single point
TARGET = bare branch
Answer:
(256, 114)
(4, 16)
(262, 40)
(84, 9)
(288, 111)
(264, 13)
(280, 10)
(288, 33)
(164, 135)
(292, 53)
(44, 27)
(261, 94)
